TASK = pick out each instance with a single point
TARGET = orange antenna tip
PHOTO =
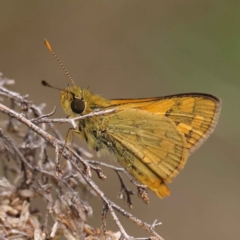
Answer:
(48, 45)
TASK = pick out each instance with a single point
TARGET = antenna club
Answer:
(44, 83)
(46, 42)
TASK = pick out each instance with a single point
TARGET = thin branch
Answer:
(125, 192)
(142, 192)
(35, 120)
(70, 120)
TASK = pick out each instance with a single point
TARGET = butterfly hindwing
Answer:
(148, 145)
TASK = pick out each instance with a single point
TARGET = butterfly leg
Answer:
(69, 133)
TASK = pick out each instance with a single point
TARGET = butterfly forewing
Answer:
(195, 115)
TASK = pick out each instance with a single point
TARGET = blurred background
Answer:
(133, 49)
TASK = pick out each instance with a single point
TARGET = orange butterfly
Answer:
(150, 137)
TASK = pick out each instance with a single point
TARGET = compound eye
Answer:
(77, 105)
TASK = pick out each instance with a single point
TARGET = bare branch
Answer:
(70, 120)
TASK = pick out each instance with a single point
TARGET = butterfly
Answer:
(150, 137)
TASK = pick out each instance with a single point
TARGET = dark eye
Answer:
(77, 105)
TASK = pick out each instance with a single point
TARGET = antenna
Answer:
(44, 83)
(58, 60)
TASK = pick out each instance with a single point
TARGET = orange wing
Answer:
(148, 145)
(194, 114)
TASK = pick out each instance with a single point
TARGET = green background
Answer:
(133, 49)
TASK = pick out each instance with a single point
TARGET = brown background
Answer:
(132, 49)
